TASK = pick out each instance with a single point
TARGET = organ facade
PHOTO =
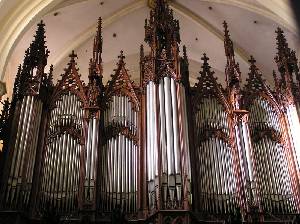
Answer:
(157, 151)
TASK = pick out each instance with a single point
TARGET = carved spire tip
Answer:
(73, 56)
(100, 22)
(226, 31)
(99, 28)
(121, 56)
(205, 59)
(41, 23)
(225, 25)
(279, 30)
(252, 60)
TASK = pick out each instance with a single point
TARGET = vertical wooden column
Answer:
(142, 171)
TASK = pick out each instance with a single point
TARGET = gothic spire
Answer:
(17, 85)
(162, 30)
(38, 49)
(229, 51)
(283, 51)
(98, 42)
(255, 82)
(121, 82)
(96, 69)
(184, 68)
(121, 72)
(72, 57)
(286, 62)
(121, 58)
(35, 57)
(206, 76)
(232, 71)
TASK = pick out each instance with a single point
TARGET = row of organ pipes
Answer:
(26, 123)
(61, 162)
(120, 151)
(167, 150)
(201, 152)
(216, 178)
(270, 159)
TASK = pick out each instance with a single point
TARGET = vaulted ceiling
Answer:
(71, 24)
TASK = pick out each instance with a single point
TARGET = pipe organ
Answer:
(271, 164)
(158, 151)
(21, 172)
(64, 143)
(119, 152)
(216, 188)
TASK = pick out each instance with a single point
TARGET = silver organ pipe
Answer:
(118, 170)
(166, 115)
(60, 170)
(19, 183)
(271, 165)
(217, 183)
(294, 128)
(90, 159)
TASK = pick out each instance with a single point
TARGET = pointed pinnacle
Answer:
(205, 60)
(98, 38)
(228, 44)
(73, 56)
(226, 31)
(184, 52)
(99, 24)
(281, 40)
(121, 56)
(41, 23)
(279, 31)
(40, 32)
(252, 60)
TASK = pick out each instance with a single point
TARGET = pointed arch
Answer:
(70, 82)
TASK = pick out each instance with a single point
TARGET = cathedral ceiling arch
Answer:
(38, 9)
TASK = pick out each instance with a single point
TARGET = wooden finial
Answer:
(73, 56)
(205, 60)
(121, 56)
(252, 60)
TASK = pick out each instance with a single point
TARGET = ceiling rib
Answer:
(26, 13)
(268, 10)
(204, 23)
(89, 33)
(16, 23)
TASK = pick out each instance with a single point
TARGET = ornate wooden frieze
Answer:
(207, 86)
(70, 82)
(121, 84)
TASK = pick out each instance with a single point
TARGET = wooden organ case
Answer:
(158, 151)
